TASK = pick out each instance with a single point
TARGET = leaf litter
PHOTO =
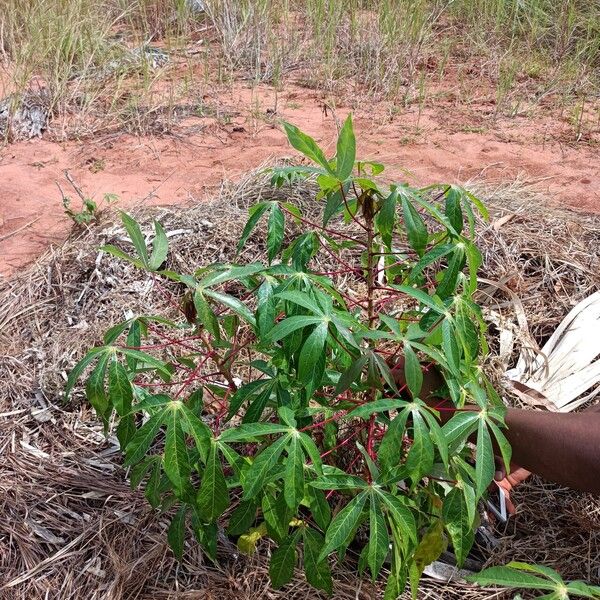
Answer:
(72, 527)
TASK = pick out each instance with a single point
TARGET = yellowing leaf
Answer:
(247, 543)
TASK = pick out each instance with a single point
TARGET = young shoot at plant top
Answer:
(272, 407)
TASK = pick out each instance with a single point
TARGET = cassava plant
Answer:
(272, 405)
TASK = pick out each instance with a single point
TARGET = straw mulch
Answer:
(71, 527)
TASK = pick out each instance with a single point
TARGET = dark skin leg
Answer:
(560, 447)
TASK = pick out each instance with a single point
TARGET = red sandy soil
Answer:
(439, 145)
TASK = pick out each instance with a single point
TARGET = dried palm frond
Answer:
(568, 365)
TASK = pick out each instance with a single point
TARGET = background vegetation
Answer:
(532, 54)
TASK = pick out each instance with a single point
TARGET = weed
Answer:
(89, 209)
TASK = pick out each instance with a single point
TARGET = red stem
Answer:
(321, 228)
(343, 442)
(325, 421)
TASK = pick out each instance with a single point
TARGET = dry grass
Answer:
(89, 54)
(71, 526)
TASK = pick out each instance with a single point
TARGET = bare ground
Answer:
(444, 142)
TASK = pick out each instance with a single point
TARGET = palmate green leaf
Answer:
(311, 362)
(318, 573)
(152, 402)
(334, 202)
(283, 561)
(379, 539)
(219, 273)
(136, 236)
(277, 515)
(287, 416)
(344, 333)
(243, 393)
(206, 315)
(152, 491)
(339, 482)
(119, 387)
(80, 367)
(255, 212)
(377, 406)
(138, 472)
(450, 347)
(401, 516)
(448, 284)
(307, 146)
(176, 461)
(290, 325)
(251, 432)
(503, 444)
(242, 517)
(484, 464)
(369, 462)
(275, 231)
(302, 299)
(176, 533)
(237, 462)
(265, 308)
(539, 569)
(509, 577)
(311, 450)
(95, 390)
(468, 335)
(114, 251)
(213, 496)
(293, 489)
(238, 307)
(580, 588)
(436, 433)
(301, 250)
(420, 456)
(346, 150)
(147, 359)
(125, 430)
(326, 183)
(143, 438)
(429, 258)
(319, 507)
(259, 403)
(469, 495)
(198, 430)
(384, 371)
(115, 331)
(459, 428)
(421, 296)
(416, 230)
(160, 247)
(474, 260)
(134, 340)
(412, 371)
(352, 374)
(453, 210)
(458, 524)
(261, 467)
(390, 449)
(342, 525)
(386, 218)
(394, 587)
